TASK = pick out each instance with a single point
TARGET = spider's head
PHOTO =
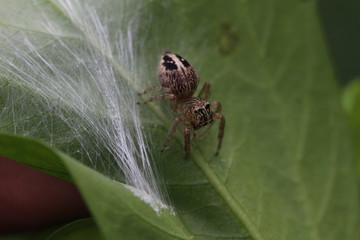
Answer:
(199, 113)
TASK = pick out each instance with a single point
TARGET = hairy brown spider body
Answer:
(179, 81)
(176, 74)
(197, 112)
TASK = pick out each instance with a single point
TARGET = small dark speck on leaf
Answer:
(227, 39)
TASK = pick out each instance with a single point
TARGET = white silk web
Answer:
(82, 88)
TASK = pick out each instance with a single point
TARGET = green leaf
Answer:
(79, 229)
(285, 169)
(118, 212)
(42, 159)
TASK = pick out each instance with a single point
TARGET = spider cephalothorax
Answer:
(179, 81)
(197, 112)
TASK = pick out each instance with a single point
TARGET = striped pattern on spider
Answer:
(178, 83)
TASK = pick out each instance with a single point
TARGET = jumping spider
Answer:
(179, 81)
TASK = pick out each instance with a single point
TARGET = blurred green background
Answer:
(341, 24)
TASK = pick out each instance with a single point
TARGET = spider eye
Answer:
(196, 111)
(207, 106)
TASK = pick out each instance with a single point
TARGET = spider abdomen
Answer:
(176, 73)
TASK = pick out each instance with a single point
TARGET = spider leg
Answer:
(217, 106)
(157, 88)
(187, 136)
(158, 97)
(220, 117)
(205, 132)
(205, 91)
(170, 135)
